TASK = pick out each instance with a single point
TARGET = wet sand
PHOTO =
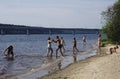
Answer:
(101, 66)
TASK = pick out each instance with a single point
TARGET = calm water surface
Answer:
(30, 50)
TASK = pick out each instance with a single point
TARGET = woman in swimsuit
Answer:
(50, 50)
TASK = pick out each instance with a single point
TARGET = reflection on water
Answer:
(75, 58)
(53, 64)
(62, 62)
(59, 65)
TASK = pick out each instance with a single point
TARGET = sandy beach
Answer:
(101, 66)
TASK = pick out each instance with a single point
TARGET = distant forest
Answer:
(22, 29)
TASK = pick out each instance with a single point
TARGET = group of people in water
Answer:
(60, 45)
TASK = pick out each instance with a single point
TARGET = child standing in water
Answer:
(75, 46)
(50, 50)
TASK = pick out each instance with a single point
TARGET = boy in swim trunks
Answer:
(75, 45)
(59, 46)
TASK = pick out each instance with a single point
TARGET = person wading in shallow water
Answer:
(50, 50)
(75, 46)
(84, 40)
(59, 46)
(9, 52)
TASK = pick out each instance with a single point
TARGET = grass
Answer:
(105, 42)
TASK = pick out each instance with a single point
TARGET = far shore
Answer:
(101, 66)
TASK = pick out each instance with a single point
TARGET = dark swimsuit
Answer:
(60, 45)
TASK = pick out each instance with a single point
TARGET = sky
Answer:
(54, 13)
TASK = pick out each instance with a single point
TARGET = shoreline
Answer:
(49, 68)
(91, 66)
(101, 66)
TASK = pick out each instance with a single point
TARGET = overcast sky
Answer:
(54, 13)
